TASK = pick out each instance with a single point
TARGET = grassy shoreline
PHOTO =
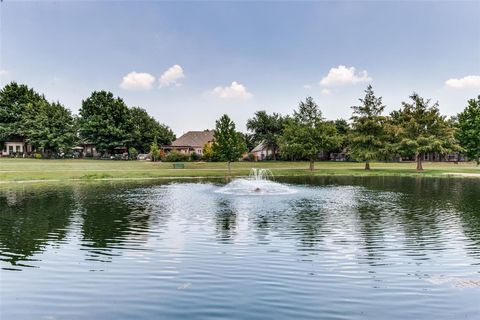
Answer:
(33, 170)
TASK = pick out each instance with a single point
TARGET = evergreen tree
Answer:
(469, 129)
(367, 138)
(420, 129)
(228, 144)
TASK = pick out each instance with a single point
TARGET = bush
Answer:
(37, 155)
(175, 156)
(132, 153)
(195, 156)
(249, 157)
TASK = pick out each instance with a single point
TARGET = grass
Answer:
(22, 170)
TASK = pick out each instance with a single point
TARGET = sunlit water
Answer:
(336, 248)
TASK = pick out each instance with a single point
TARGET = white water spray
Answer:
(259, 182)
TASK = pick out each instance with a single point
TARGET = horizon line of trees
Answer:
(415, 129)
(104, 121)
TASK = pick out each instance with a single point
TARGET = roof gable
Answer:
(194, 139)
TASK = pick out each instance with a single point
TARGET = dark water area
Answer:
(337, 248)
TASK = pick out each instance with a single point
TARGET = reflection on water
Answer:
(339, 247)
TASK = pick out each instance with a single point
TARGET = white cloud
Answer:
(325, 91)
(171, 76)
(343, 75)
(3, 72)
(468, 82)
(137, 81)
(234, 91)
(307, 86)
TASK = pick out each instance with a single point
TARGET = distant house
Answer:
(262, 152)
(15, 146)
(190, 142)
(86, 149)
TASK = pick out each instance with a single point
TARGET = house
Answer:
(262, 152)
(15, 146)
(86, 149)
(190, 142)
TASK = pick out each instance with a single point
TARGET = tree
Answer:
(105, 121)
(367, 138)
(228, 144)
(469, 129)
(207, 151)
(50, 126)
(145, 129)
(307, 134)
(420, 129)
(15, 100)
(155, 152)
(266, 129)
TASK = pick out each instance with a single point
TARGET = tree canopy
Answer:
(266, 129)
(367, 137)
(105, 121)
(145, 129)
(469, 129)
(228, 144)
(307, 134)
(420, 128)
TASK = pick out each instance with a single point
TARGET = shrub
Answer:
(175, 156)
(249, 157)
(195, 156)
(37, 155)
(132, 153)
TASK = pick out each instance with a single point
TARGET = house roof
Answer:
(194, 139)
(260, 147)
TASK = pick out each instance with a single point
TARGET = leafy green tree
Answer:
(420, 129)
(469, 129)
(367, 138)
(307, 134)
(228, 144)
(144, 129)
(105, 121)
(207, 151)
(154, 150)
(50, 126)
(16, 100)
(267, 129)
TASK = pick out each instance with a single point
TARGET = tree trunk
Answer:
(274, 157)
(478, 161)
(312, 165)
(367, 165)
(229, 167)
(419, 162)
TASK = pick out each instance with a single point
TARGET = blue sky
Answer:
(236, 58)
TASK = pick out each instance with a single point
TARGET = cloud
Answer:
(325, 91)
(234, 91)
(342, 75)
(468, 82)
(137, 81)
(307, 86)
(3, 72)
(171, 76)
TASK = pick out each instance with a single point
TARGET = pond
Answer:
(335, 248)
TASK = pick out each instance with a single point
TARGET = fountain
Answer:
(259, 182)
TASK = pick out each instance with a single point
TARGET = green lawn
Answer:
(17, 170)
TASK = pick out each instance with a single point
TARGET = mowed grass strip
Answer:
(12, 170)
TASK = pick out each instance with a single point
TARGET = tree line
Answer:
(104, 121)
(415, 129)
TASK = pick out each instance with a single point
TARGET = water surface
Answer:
(338, 248)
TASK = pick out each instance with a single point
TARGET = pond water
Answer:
(336, 248)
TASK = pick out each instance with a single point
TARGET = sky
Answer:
(187, 63)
